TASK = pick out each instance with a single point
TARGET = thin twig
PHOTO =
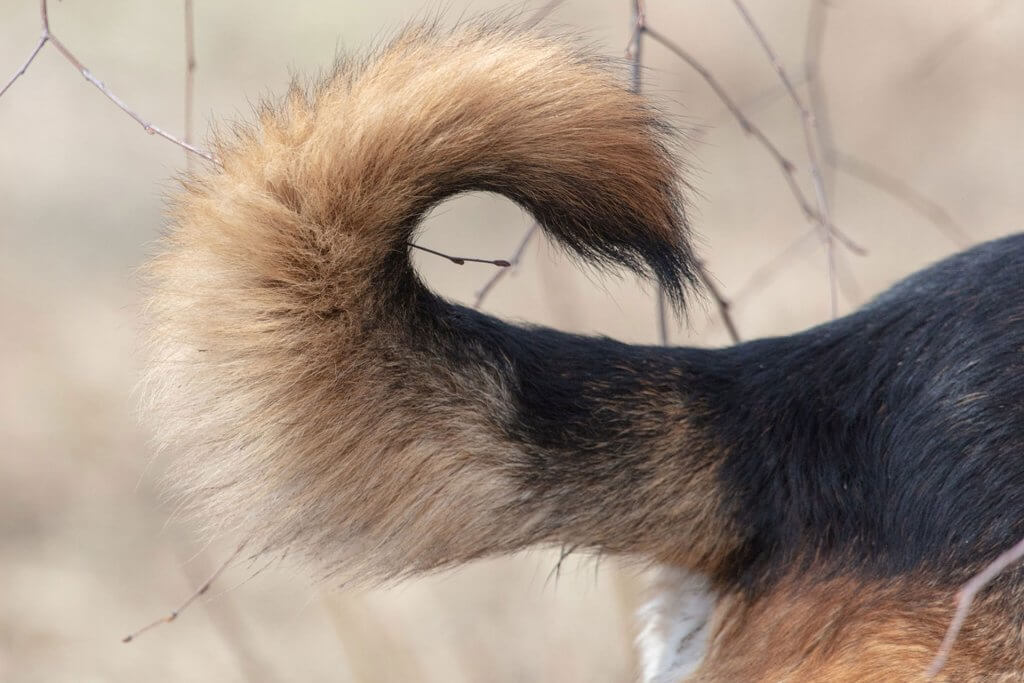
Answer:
(817, 103)
(190, 75)
(745, 123)
(28, 62)
(48, 37)
(462, 260)
(192, 598)
(102, 87)
(635, 53)
(901, 191)
(513, 261)
(817, 180)
(965, 596)
(748, 127)
(720, 301)
(634, 48)
(234, 628)
(814, 43)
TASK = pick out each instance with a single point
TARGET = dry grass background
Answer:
(88, 549)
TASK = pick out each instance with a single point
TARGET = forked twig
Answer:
(28, 62)
(48, 37)
(788, 167)
(817, 179)
(723, 304)
(102, 87)
(965, 596)
(175, 613)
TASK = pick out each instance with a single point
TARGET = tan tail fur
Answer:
(320, 398)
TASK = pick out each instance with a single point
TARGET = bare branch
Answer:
(965, 596)
(462, 260)
(48, 37)
(513, 261)
(807, 119)
(634, 48)
(787, 166)
(901, 191)
(745, 123)
(661, 305)
(192, 598)
(814, 43)
(635, 53)
(28, 62)
(102, 87)
(721, 302)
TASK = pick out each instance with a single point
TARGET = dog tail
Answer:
(322, 400)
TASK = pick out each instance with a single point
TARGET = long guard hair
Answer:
(834, 486)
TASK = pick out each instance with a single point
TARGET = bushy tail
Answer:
(318, 396)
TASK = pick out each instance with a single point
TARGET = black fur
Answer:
(885, 442)
(892, 439)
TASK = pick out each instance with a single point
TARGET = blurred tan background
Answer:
(929, 92)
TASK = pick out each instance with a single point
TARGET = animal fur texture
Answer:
(833, 487)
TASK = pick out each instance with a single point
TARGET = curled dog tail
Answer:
(318, 397)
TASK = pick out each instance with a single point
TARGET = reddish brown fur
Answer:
(852, 630)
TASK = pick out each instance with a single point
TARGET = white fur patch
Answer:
(676, 623)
